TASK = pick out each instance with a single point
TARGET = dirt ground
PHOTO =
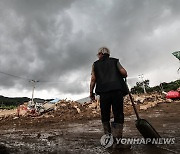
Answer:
(54, 135)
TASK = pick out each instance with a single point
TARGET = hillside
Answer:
(15, 101)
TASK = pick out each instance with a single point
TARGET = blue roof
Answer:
(55, 100)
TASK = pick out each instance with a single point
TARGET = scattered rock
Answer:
(169, 100)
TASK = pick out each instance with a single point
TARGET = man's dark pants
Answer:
(114, 99)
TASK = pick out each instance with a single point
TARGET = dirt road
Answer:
(50, 136)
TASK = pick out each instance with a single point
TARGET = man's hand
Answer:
(92, 96)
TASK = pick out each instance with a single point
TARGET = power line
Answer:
(27, 79)
(15, 76)
(42, 81)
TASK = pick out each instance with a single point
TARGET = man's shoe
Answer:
(117, 130)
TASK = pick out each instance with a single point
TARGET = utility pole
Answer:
(33, 85)
(141, 76)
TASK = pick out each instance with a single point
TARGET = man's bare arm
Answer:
(92, 83)
(122, 70)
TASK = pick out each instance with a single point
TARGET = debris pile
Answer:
(6, 113)
(145, 101)
(73, 110)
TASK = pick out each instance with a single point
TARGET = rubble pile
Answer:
(73, 110)
(7, 113)
(145, 101)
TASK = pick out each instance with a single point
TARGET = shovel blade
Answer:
(146, 129)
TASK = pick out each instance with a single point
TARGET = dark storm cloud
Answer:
(56, 41)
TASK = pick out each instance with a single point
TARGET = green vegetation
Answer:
(7, 107)
(10, 103)
(138, 88)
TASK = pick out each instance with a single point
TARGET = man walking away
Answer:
(107, 75)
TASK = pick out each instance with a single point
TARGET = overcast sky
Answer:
(56, 42)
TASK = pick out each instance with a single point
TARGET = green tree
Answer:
(138, 88)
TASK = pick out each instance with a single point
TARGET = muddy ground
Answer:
(82, 135)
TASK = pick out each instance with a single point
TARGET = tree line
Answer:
(138, 88)
(10, 103)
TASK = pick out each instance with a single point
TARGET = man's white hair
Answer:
(104, 50)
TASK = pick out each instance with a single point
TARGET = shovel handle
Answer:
(132, 101)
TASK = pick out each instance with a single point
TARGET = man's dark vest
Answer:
(108, 77)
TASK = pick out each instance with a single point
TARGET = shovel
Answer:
(143, 126)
